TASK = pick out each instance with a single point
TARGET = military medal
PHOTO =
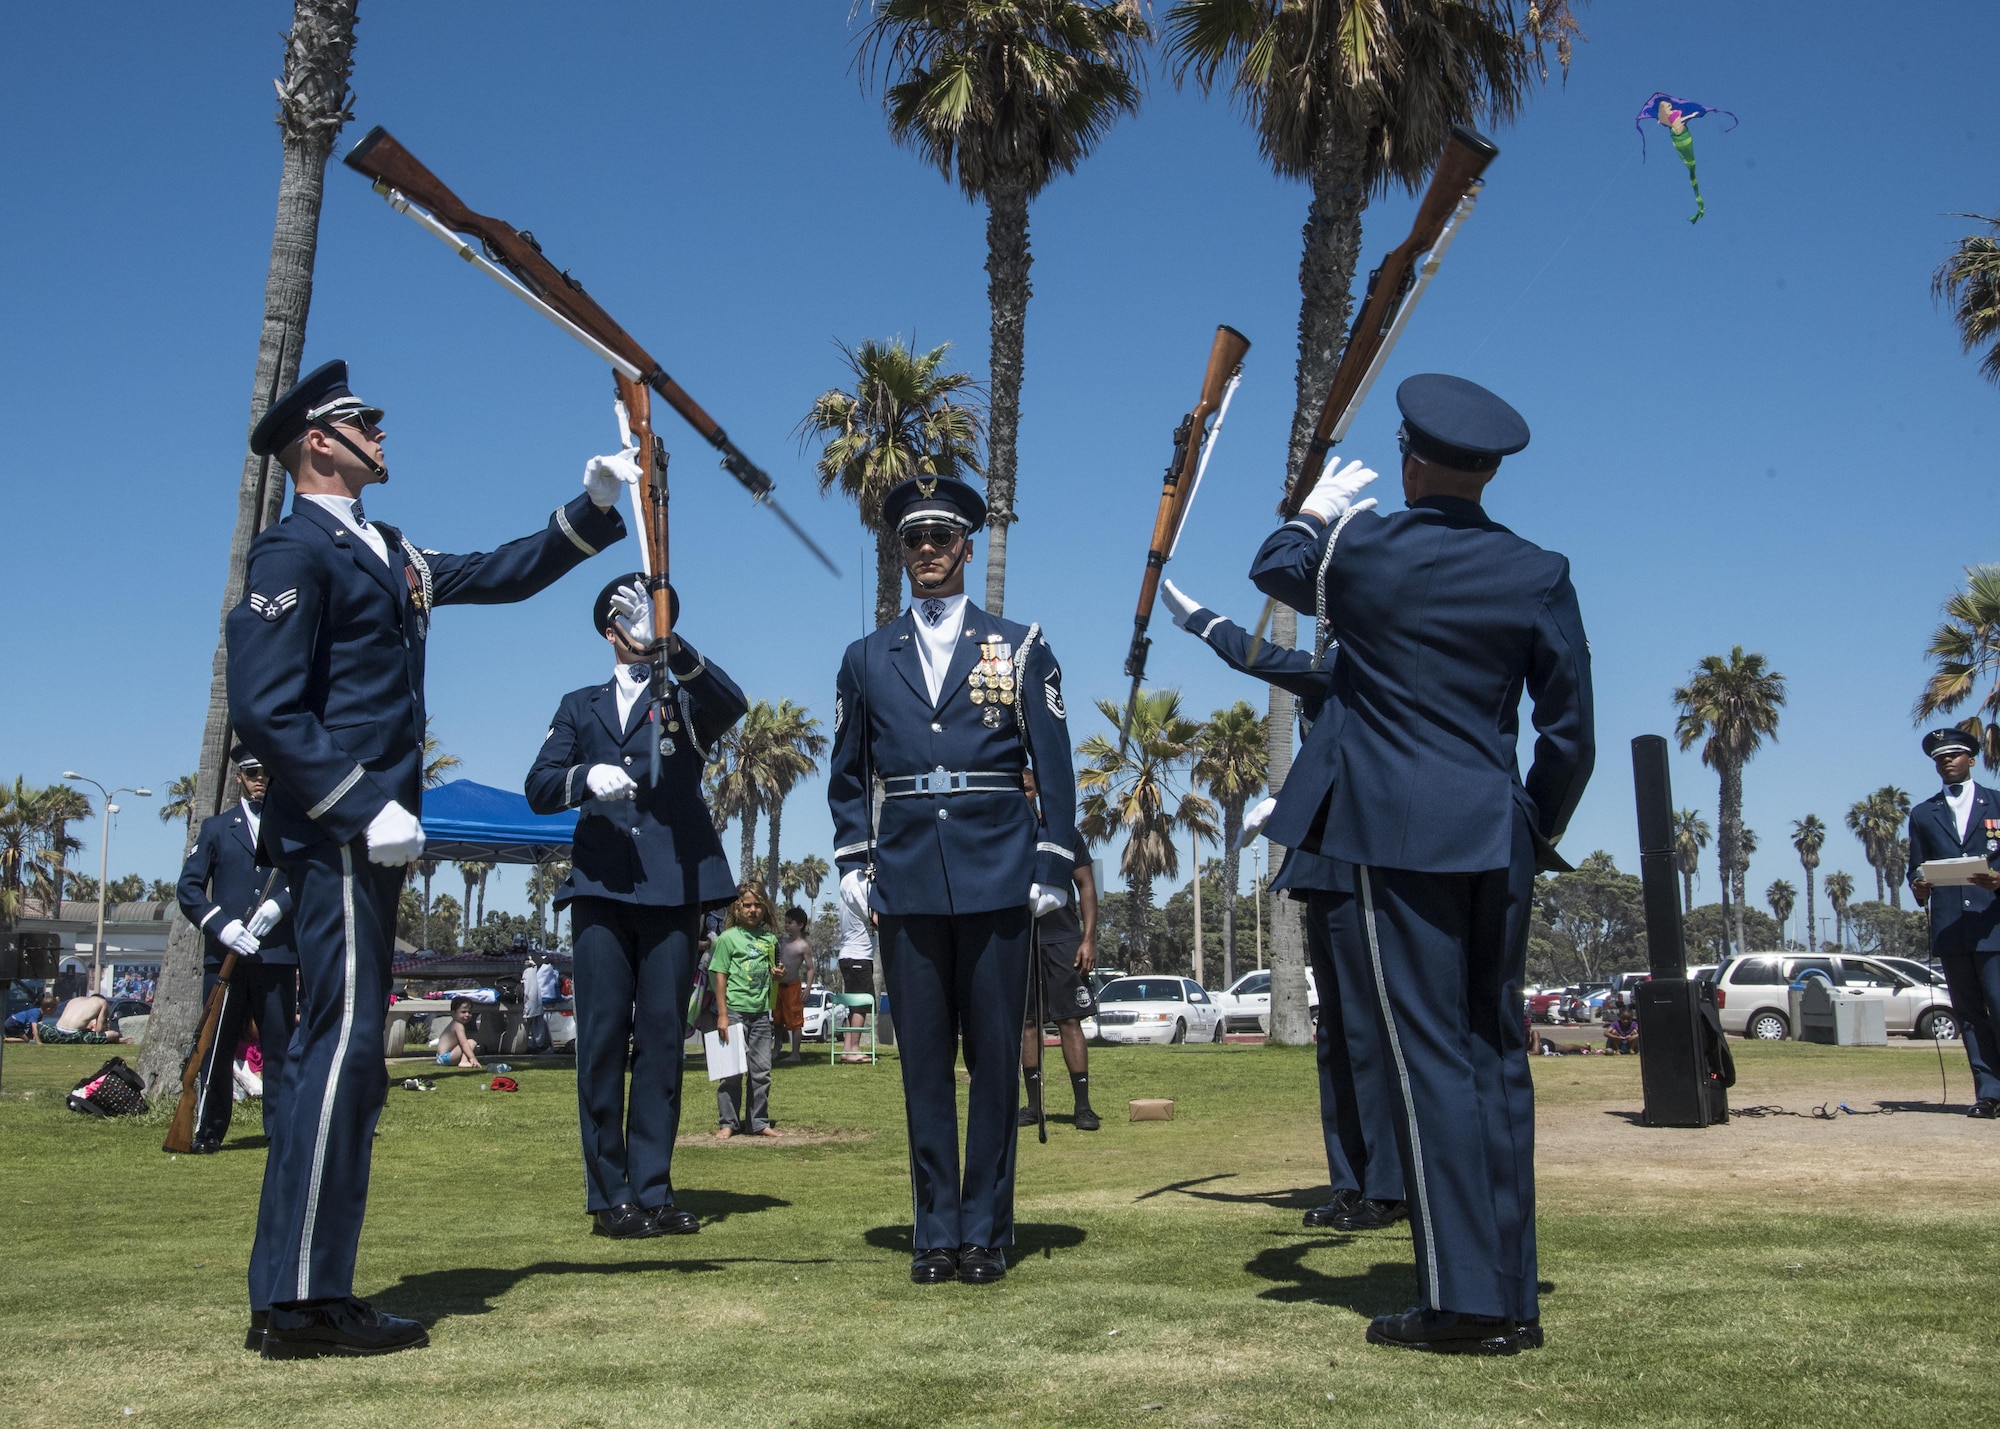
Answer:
(667, 745)
(978, 695)
(991, 719)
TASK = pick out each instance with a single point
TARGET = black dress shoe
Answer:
(1445, 1332)
(934, 1267)
(1986, 1109)
(981, 1265)
(1370, 1216)
(1341, 1204)
(1086, 1119)
(625, 1222)
(205, 1146)
(1529, 1333)
(1029, 1115)
(260, 1321)
(672, 1220)
(339, 1327)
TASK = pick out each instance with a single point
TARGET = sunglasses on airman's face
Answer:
(941, 538)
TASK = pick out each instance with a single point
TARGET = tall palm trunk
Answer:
(771, 863)
(1729, 844)
(1007, 291)
(1812, 928)
(1138, 924)
(888, 578)
(429, 869)
(1687, 890)
(482, 897)
(749, 850)
(1232, 870)
(312, 107)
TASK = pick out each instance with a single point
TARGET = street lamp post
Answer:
(103, 870)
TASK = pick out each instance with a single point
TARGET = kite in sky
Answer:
(1674, 114)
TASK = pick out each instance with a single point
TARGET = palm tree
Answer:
(1353, 98)
(1970, 279)
(313, 106)
(1003, 96)
(1808, 838)
(542, 885)
(788, 883)
(794, 746)
(436, 765)
(474, 872)
(20, 829)
(179, 803)
(1877, 821)
(1839, 892)
(1231, 762)
(1783, 898)
(737, 794)
(813, 873)
(1864, 823)
(1965, 650)
(1732, 706)
(1137, 793)
(62, 806)
(1898, 867)
(905, 417)
(1746, 847)
(1691, 835)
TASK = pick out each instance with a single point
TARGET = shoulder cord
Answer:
(1021, 688)
(1322, 623)
(417, 571)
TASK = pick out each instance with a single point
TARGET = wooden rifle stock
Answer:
(180, 1135)
(1466, 155)
(652, 504)
(1225, 356)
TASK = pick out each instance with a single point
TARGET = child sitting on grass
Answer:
(454, 1045)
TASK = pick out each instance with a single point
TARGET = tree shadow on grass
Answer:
(1298, 1197)
(1382, 1289)
(434, 1295)
(1030, 1238)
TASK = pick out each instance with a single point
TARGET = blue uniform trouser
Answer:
(634, 970)
(952, 978)
(1446, 955)
(268, 992)
(316, 1172)
(1974, 982)
(1357, 1093)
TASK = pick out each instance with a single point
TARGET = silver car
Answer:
(1753, 994)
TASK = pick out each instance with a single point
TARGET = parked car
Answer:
(1545, 1006)
(817, 1003)
(1155, 1010)
(1913, 970)
(1752, 994)
(1246, 1003)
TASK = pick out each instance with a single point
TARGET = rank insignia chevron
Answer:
(271, 607)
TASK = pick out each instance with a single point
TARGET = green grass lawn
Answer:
(1781, 1270)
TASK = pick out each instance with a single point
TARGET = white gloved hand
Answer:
(394, 836)
(605, 476)
(238, 938)
(1334, 492)
(608, 781)
(855, 887)
(265, 918)
(1181, 607)
(1257, 818)
(1042, 901)
(633, 610)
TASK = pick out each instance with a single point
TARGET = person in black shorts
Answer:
(1068, 939)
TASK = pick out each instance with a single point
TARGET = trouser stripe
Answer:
(333, 1072)
(1416, 1166)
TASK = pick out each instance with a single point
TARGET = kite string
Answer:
(1575, 229)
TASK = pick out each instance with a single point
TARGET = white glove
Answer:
(603, 476)
(394, 836)
(1043, 901)
(1258, 817)
(1334, 492)
(608, 781)
(238, 938)
(265, 918)
(854, 890)
(1178, 605)
(633, 609)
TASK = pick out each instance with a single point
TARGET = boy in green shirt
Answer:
(742, 964)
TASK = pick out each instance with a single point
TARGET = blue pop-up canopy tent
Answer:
(464, 820)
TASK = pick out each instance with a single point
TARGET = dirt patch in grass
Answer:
(787, 1136)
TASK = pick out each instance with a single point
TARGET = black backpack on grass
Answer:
(112, 1090)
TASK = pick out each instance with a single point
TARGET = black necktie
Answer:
(933, 611)
(360, 516)
(1954, 790)
(638, 674)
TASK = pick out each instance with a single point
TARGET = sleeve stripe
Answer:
(562, 520)
(206, 916)
(1209, 628)
(339, 792)
(569, 785)
(854, 848)
(1056, 849)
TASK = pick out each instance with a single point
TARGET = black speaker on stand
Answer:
(1684, 1063)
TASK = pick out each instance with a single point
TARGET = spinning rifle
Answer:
(1194, 441)
(513, 258)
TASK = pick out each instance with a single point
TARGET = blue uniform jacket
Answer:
(659, 847)
(223, 880)
(326, 658)
(1292, 671)
(968, 852)
(1963, 919)
(1442, 616)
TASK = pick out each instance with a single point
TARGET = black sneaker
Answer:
(1445, 1332)
(1029, 1115)
(1086, 1119)
(340, 1327)
(1321, 1216)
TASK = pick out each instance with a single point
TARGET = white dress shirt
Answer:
(1961, 805)
(630, 691)
(342, 508)
(937, 642)
(250, 817)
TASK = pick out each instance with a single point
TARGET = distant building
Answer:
(135, 940)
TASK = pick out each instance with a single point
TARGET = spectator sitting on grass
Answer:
(1621, 1034)
(21, 1026)
(454, 1045)
(83, 1019)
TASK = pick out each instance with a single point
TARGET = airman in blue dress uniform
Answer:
(943, 709)
(1356, 1098)
(1962, 820)
(221, 891)
(1443, 616)
(646, 864)
(326, 686)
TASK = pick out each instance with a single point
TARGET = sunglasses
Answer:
(941, 538)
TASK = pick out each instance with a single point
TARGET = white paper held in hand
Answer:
(1951, 872)
(726, 1059)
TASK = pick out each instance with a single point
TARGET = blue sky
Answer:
(1754, 430)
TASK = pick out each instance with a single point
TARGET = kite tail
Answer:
(1684, 146)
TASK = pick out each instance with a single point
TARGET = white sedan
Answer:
(1246, 1003)
(1154, 1010)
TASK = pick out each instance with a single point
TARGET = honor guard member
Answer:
(943, 709)
(646, 864)
(1962, 820)
(222, 893)
(1443, 616)
(1357, 1099)
(326, 686)
(1066, 940)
